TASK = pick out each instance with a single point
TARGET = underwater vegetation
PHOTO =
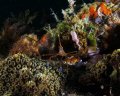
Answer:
(25, 18)
(79, 56)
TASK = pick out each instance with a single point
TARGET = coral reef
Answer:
(81, 52)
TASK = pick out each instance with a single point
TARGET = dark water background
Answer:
(42, 6)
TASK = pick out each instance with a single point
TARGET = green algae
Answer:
(64, 26)
(91, 30)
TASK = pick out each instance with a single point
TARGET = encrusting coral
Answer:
(24, 76)
(107, 68)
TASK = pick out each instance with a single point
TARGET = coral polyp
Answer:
(31, 78)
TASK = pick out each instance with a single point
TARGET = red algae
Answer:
(93, 13)
(104, 9)
(44, 41)
(83, 16)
